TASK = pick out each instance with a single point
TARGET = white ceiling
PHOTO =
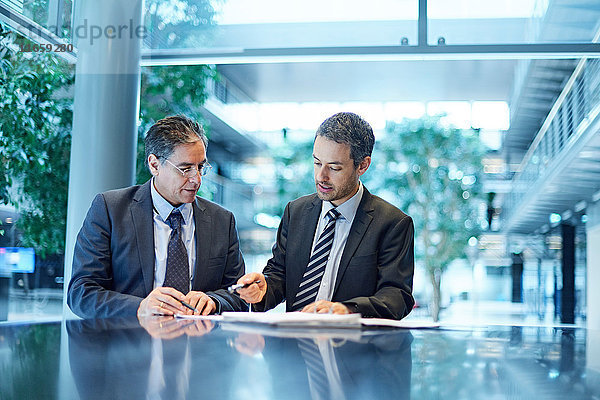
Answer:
(374, 81)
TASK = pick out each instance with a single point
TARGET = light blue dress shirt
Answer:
(342, 230)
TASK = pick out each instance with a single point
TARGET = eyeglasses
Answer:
(192, 172)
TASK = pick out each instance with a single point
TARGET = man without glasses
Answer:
(341, 250)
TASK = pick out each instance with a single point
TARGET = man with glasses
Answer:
(340, 250)
(157, 248)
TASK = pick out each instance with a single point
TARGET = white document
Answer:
(312, 320)
(295, 319)
(211, 317)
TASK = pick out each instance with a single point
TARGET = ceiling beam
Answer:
(157, 57)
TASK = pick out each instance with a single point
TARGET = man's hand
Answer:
(326, 307)
(168, 327)
(199, 327)
(201, 302)
(162, 301)
(255, 292)
(162, 326)
(249, 343)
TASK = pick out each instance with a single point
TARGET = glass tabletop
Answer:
(162, 357)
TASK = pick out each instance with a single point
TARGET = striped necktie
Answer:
(315, 367)
(177, 274)
(311, 280)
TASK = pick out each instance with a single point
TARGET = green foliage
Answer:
(35, 140)
(37, 10)
(434, 174)
(179, 24)
(293, 174)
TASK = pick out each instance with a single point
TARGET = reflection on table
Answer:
(166, 358)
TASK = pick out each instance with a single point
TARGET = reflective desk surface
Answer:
(162, 358)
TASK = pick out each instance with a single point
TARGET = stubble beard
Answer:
(338, 193)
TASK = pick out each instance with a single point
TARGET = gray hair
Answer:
(169, 132)
(349, 128)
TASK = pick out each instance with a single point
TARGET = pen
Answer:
(233, 288)
(188, 306)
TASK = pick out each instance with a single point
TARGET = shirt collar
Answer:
(348, 208)
(164, 208)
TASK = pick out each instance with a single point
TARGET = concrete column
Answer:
(593, 267)
(567, 293)
(108, 35)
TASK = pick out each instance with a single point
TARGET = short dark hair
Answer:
(169, 132)
(350, 129)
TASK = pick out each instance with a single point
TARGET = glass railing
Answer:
(225, 91)
(575, 108)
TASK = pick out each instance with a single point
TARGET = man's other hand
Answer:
(254, 292)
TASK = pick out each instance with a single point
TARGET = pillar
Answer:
(108, 35)
(567, 294)
(517, 278)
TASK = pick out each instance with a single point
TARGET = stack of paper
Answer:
(312, 320)
(296, 319)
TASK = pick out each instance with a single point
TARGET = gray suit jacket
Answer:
(377, 265)
(113, 261)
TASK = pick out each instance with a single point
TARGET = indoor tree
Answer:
(433, 173)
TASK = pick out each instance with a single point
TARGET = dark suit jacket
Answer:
(113, 261)
(376, 269)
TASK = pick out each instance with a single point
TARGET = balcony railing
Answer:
(575, 108)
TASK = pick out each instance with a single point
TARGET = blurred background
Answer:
(485, 115)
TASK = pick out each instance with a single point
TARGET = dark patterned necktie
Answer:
(311, 280)
(177, 275)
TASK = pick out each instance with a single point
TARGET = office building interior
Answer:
(523, 76)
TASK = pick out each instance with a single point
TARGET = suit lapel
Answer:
(203, 242)
(307, 228)
(362, 220)
(143, 225)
